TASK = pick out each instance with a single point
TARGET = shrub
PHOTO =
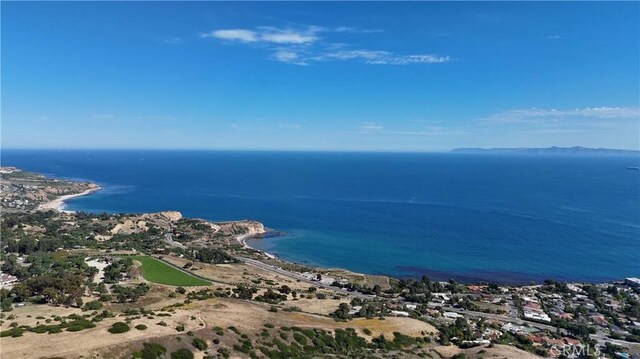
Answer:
(46, 329)
(300, 338)
(93, 305)
(152, 351)
(224, 352)
(141, 327)
(75, 328)
(118, 327)
(244, 346)
(13, 332)
(78, 325)
(199, 344)
(55, 329)
(182, 354)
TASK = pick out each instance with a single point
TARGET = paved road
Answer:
(600, 337)
(272, 269)
(168, 238)
(299, 277)
(513, 310)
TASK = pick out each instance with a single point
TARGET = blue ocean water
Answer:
(511, 219)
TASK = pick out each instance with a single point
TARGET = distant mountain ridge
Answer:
(549, 151)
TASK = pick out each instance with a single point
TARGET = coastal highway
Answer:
(600, 337)
(275, 270)
(298, 277)
(168, 238)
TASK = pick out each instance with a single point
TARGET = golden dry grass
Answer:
(248, 317)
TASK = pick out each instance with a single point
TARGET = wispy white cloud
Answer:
(533, 121)
(370, 127)
(379, 57)
(367, 55)
(288, 56)
(232, 35)
(393, 59)
(538, 115)
(554, 37)
(267, 34)
(303, 45)
(289, 36)
(356, 30)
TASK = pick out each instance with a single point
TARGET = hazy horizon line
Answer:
(338, 150)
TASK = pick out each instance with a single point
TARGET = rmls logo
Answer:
(574, 351)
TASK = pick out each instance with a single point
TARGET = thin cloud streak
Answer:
(304, 46)
(537, 115)
(232, 35)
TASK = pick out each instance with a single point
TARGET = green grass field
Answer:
(156, 271)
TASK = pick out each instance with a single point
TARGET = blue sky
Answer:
(320, 76)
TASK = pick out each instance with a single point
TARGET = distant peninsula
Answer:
(549, 151)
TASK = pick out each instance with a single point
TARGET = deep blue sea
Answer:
(504, 218)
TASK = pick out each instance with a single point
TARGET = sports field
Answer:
(156, 271)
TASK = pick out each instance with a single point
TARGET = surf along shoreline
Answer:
(58, 204)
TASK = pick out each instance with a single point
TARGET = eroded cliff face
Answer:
(244, 227)
(142, 223)
(166, 220)
(171, 216)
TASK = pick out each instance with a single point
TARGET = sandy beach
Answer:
(58, 203)
(243, 240)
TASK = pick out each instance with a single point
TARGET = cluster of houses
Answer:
(8, 169)
(7, 280)
(532, 309)
(566, 306)
(538, 305)
(324, 279)
(13, 200)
